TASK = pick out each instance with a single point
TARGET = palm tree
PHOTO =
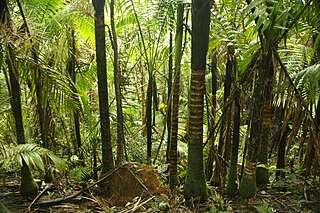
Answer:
(28, 186)
(195, 182)
(270, 36)
(173, 179)
(107, 155)
(71, 67)
(117, 85)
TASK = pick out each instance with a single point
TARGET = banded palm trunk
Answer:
(173, 179)
(99, 28)
(248, 182)
(195, 183)
(262, 171)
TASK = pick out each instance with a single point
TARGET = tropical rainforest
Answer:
(159, 106)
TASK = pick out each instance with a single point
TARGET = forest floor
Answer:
(136, 188)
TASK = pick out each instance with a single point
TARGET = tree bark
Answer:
(173, 179)
(232, 185)
(248, 183)
(195, 187)
(107, 155)
(209, 164)
(262, 171)
(72, 72)
(224, 140)
(117, 85)
(28, 186)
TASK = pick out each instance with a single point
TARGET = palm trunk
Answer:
(195, 187)
(248, 182)
(117, 86)
(173, 179)
(28, 185)
(170, 71)
(232, 185)
(107, 155)
(209, 164)
(224, 140)
(72, 72)
(149, 119)
(262, 171)
(46, 122)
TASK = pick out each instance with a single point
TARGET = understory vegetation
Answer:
(159, 106)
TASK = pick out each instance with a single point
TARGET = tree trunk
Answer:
(224, 140)
(232, 185)
(117, 86)
(262, 171)
(170, 71)
(248, 182)
(195, 187)
(173, 179)
(107, 155)
(209, 164)
(46, 122)
(28, 185)
(149, 118)
(71, 67)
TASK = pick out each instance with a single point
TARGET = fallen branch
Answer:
(39, 195)
(136, 207)
(63, 199)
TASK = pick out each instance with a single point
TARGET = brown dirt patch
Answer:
(129, 181)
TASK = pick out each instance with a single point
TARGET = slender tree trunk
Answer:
(209, 165)
(195, 187)
(262, 171)
(170, 71)
(173, 179)
(248, 182)
(28, 186)
(107, 155)
(117, 85)
(149, 118)
(232, 185)
(46, 122)
(224, 140)
(72, 72)
(281, 153)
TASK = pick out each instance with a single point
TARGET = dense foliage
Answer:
(259, 109)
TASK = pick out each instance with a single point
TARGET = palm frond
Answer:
(308, 80)
(34, 156)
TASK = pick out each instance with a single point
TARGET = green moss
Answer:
(248, 186)
(28, 187)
